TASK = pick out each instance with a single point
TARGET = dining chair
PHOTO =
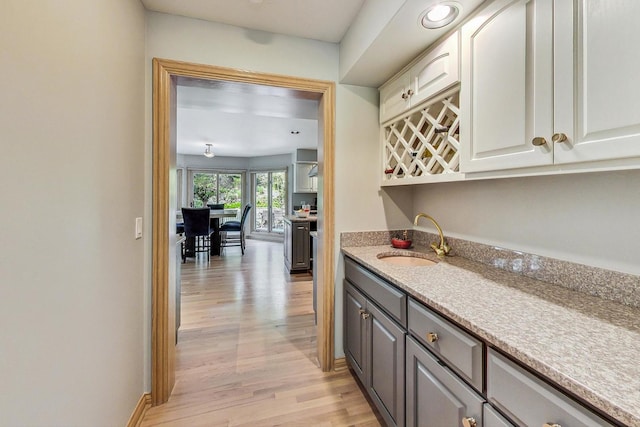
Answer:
(235, 226)
(197, 231)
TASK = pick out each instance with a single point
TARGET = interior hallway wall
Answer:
(72, 184)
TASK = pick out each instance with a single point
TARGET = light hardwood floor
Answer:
(246, 354)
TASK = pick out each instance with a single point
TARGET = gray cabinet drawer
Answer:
(392, 300)
(529, 401)
(493, 419)
(462, 351)
(436, 397)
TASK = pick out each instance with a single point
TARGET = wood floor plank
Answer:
(246, 353)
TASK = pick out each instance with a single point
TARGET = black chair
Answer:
(214, 206)
(197, 231)
(235, 226)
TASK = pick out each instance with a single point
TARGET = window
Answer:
(216, 187)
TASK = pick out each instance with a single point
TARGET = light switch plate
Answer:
(138, 228)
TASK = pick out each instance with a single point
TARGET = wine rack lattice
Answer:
(425, 142)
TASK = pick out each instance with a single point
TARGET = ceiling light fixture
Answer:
(440, 15)
(207, 152)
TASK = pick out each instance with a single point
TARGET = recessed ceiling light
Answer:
(440, 15)
(295, 132)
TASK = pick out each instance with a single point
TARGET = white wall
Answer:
(589, 218)
(72, 183)
(172, 37)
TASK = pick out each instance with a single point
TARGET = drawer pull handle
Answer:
(539, 141)
(432, 337)
(551, 425)
(469, 422)
(557, 138)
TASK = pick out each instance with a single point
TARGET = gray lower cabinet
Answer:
(434, 374)
(493, 419)
(375, 349)
(529, 401)
(296, 245)
(436, 397)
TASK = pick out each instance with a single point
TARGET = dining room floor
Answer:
(246, 353)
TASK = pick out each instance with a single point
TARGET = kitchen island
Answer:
(582, 344)
(297, 243)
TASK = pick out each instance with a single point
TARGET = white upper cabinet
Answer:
(431, 74)
(548, 83)
(303, 183)
(597, 87)
(506, 103)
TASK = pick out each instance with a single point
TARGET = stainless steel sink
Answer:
(406, 259)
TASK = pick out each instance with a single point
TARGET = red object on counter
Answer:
(400, 244)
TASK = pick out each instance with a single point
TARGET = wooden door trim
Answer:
(165, 73)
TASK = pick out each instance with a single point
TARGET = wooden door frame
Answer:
(165, 74)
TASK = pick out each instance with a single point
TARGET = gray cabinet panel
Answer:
(461, 350)
(392, 300)
(297, 252)
(435, 396)
(529, 401)
(493, 419)
(386, 357)
(354, 334)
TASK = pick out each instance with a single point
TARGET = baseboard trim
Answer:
(340, 364)
(141, 408)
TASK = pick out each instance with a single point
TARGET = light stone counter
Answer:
(588, 345)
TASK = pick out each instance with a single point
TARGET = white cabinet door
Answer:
(303, 183)
(506, 96)
(597, 88)
(438, 70)
(393, 98)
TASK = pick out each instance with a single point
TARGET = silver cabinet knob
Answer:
(559, 137)
(469, 422)
(432, 337)
(405, 95)
(410, 92)
(538, 141)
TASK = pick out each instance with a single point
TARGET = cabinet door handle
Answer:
(405, 95)
(559, 137)
(363, 314)
(469, 422)
(409, 92)
(539, 141)
(432, 337)
(551, 425)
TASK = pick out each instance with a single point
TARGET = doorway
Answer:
(165, 76)
(270, 199)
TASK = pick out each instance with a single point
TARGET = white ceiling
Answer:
(245, 122)
(325, 20)
(242, 120)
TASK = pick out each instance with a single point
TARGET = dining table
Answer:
(214, 215)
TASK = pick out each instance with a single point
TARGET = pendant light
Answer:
(207, 152)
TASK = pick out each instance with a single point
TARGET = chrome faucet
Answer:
(442, 249)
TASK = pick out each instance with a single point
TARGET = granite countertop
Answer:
(586, 344)
(294, 218)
